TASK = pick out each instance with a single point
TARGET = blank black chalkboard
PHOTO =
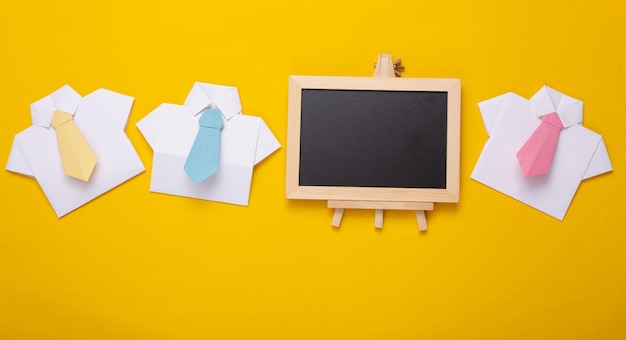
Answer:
(368, 138)
(373, 139)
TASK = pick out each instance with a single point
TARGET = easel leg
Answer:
(378, 218)
(337, 216)
(421, 220)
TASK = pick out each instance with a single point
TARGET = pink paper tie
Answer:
(535, 157)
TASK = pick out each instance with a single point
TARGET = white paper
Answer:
(226, 98)
(101, 117)
(510, 120)
(244, 141)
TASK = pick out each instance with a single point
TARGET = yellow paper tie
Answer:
(77, 157)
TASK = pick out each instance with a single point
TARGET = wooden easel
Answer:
(384, 69)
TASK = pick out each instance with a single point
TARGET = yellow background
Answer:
(137, 265)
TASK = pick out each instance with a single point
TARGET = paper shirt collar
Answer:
(548, 100)
(224, 98)
(64, 99)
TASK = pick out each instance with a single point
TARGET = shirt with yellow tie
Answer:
(53, 155)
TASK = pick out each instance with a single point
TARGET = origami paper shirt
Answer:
(244, 141)
(101, 118)
(510, 120)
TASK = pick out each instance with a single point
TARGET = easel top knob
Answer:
(386, 68)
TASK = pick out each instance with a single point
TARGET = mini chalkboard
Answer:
(373, 138)
(378, 143)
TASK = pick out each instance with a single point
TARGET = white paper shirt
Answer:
(101, 117)
(244, 141)
(510, 120)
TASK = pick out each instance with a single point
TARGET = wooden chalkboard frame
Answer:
(449, 194)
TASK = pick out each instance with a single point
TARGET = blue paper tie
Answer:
(204, 157)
